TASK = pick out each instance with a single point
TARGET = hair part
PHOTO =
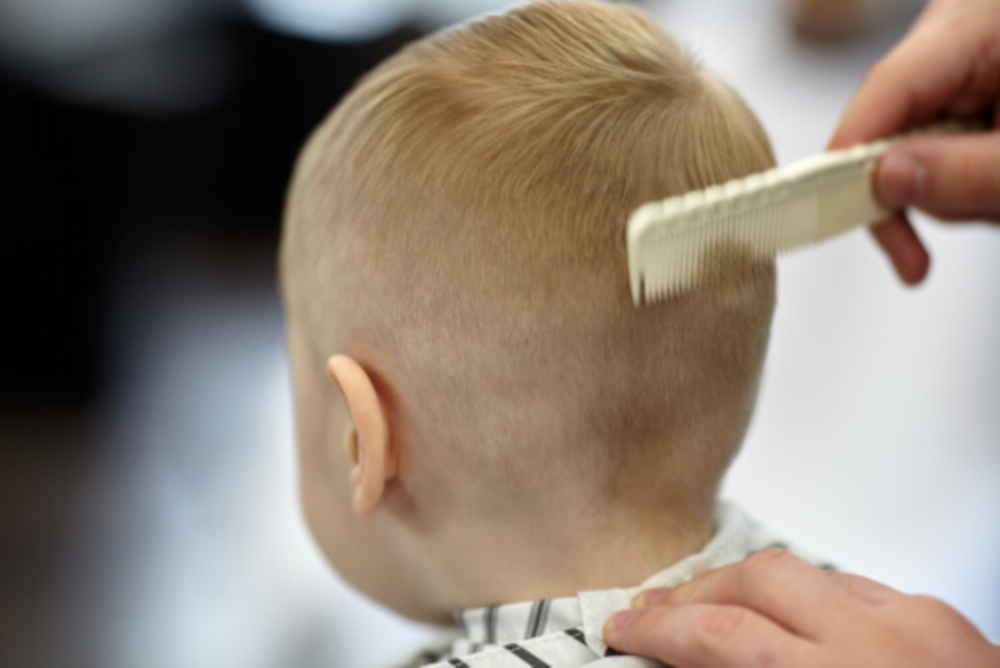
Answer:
(458, 224)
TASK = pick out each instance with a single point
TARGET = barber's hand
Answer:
(778, 611)
(947, 66)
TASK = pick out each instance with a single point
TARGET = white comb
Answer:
(764, 214)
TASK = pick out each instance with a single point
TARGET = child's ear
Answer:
(367, 440)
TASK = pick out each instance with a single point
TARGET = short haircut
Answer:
(458, 225)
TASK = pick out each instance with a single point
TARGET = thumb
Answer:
(952, 178)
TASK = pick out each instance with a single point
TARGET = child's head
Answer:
(455, 236)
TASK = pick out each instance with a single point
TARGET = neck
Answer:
(476, 563)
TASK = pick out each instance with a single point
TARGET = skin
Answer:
(773, 609)
(392, 533)
(776, 610)
(947, 67)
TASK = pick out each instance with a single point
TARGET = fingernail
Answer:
(651, 597)
(620, 621)
(900, 179)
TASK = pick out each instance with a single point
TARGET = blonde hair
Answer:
(458, 225)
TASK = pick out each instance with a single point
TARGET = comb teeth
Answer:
(763, 214)
(673, 261)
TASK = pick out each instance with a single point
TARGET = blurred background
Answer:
(147, 498)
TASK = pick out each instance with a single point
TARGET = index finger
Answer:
(773, 583)
(944, 64)
(699, 636)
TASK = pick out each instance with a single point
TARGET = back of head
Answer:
(458, 225)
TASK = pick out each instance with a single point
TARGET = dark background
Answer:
(126, 169)
(80, 180)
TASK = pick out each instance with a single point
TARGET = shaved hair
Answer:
(457, 224)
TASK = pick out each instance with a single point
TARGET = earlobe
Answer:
(367, 441)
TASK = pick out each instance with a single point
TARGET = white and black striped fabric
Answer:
(566, 632)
